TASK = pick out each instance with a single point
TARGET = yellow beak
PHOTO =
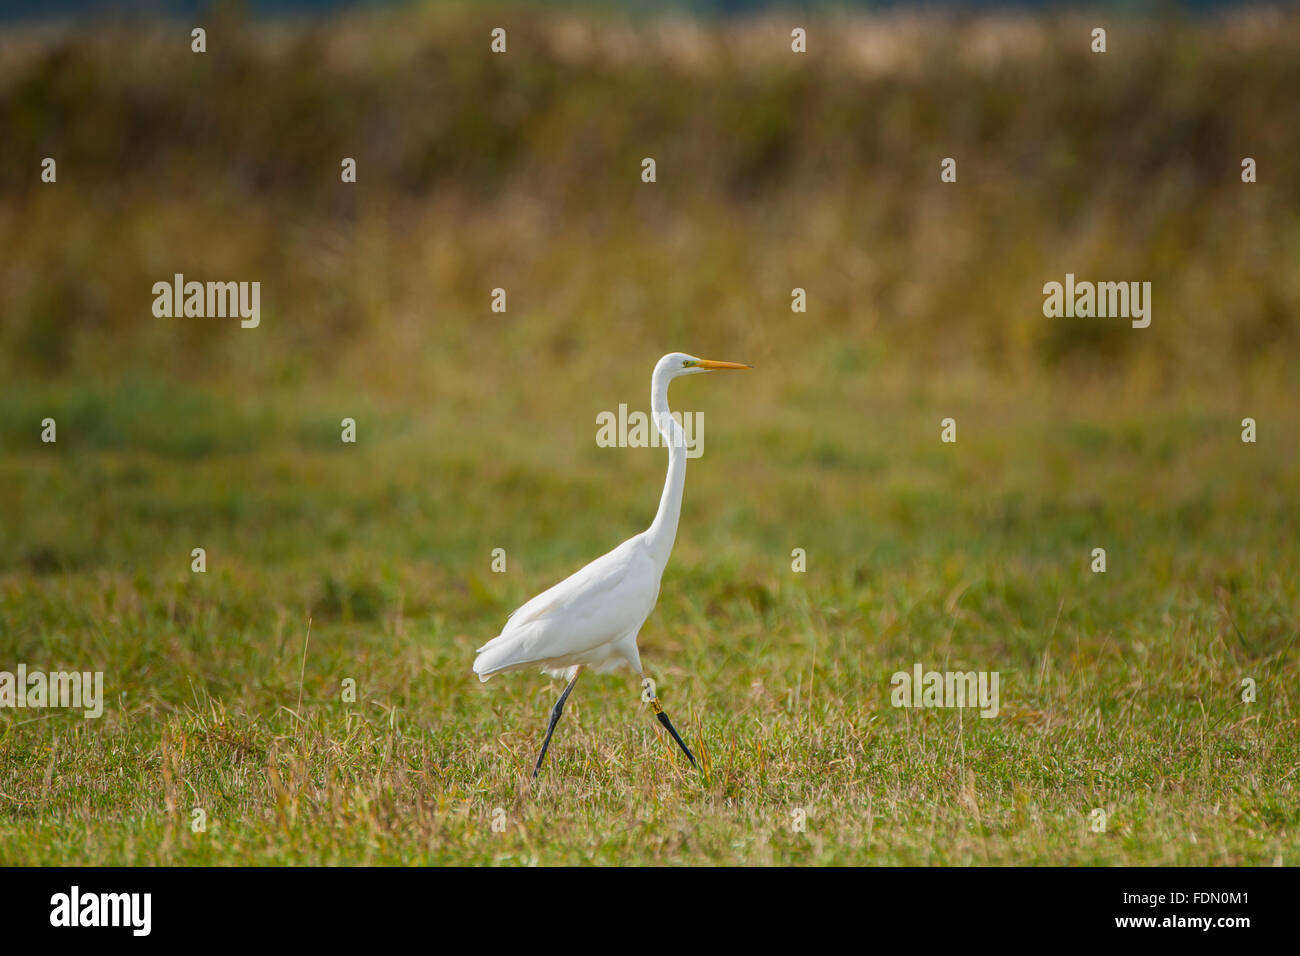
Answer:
(710, 364)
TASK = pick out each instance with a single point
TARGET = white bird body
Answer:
(592, 618)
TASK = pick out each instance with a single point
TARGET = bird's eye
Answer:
(687, 363)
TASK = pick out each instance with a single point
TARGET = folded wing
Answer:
(601, 603)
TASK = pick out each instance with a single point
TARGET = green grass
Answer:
(1119, 691)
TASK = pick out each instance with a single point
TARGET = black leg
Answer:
(663, 719)
(555, 719)
(648, 689)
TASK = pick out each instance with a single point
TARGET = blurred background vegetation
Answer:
(775, 170)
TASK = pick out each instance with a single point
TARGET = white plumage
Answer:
(592, 618)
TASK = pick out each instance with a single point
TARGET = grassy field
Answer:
(371, 561)
(1119, 691)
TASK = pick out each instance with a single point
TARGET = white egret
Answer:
(592, 618)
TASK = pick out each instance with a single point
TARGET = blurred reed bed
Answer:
(775, 171)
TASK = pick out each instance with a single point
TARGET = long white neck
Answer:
(663, 532)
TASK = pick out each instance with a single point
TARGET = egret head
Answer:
(675, 364)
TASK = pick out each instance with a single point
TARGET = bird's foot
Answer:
(649, 696)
